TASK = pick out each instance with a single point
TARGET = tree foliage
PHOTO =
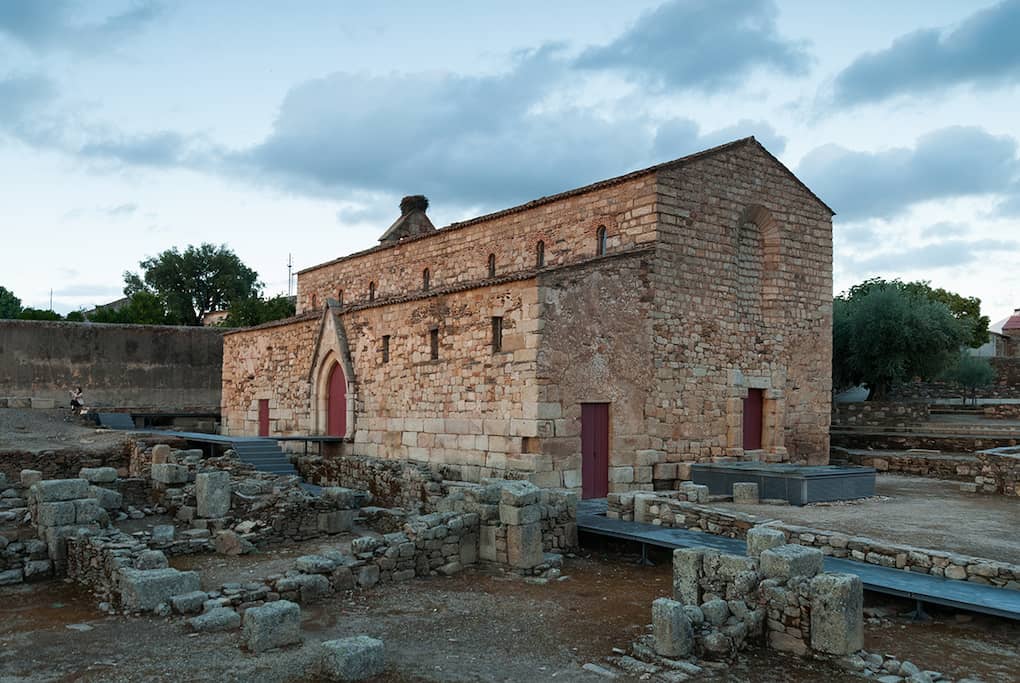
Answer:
(966, 309)
(194, 282)
(38, 314)
(10, 305)
(971, 372)
(885, 333)
(255, 311)
(143, 308)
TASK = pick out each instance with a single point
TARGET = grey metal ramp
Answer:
(115, 420)
(937, 590)
(264, 454)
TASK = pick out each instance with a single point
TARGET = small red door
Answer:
(753, 419)
(594, 450)
(336, 408)
(263, 417)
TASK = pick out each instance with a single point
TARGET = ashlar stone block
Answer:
(837, 613)
(524, 545)
(671, 628)
(169, 473)
(272, 625)
(745, 493)
(212, 491)
(761, 538)
(52, 490)
(352, 659)
(787, 561)
(687, 570)
(146, 589)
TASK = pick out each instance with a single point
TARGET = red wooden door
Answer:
(336, 404)
(263, 417)
(753, 405)
(594, 450)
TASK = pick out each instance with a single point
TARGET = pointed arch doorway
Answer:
(336, 402)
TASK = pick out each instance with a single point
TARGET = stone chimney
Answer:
(412, 221)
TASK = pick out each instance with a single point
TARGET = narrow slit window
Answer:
(315, 301)
(426, 280)
(600, 237)
(371, 291)
(386, 348)
(497, 334)
(492, 265)
(340, 297)
(434, 343)
(540, 254)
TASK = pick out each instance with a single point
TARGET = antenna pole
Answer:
(290, 278)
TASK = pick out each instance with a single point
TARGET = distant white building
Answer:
(1003, 338)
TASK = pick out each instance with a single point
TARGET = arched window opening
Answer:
(492, 265)
(315, 301)
(340, 297)
(371, 291)
(600, 238)
(540, 254)
(425, 280)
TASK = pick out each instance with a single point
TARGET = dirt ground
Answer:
(473, 627)
(929, 513)
(35, 431)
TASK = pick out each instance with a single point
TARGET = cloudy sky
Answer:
(129, 127)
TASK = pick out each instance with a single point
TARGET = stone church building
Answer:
(597, 339)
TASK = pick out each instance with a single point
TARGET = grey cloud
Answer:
(983, 50)
(53, 24)
(945, 229)
(677, 137)
(162, 148)
(857, 234)
(946, 163)
(947, 254)
(703, 45)
(24, 100)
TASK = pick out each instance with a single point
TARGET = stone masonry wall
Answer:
(999, 471)
(459, 253)
(743, 287)
(878, 413)
(1006, 385)
(950, 467)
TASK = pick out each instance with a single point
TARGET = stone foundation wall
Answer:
(999, 471)
(947, 443)
(1007, 384)
(392, 483)
(879, 413)
(62, 463)
(670, 512)
(1002, 411)
(949, 467)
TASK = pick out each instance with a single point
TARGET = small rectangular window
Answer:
(434, 343)
(497, 334)
(386, 348)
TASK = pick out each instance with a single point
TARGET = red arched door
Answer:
(336, 404)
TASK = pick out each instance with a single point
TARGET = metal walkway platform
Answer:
(925, 588)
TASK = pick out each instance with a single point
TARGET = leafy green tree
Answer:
(38, 314)
(884, 334)
(194, 282)
(143, 308)
(966, 309)
(971, 372)
(255, 311)
(10, 305)
(75, 317)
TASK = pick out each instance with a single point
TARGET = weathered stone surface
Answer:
(189, 603)
(160, 454)
(314, 564)
(169, 473)
(352, 659)
(146, 589)
(98, 475)
(310, 587)
(38, 569)
(716, 611)
(60, 513)
(514, 515)
(163, 533)
(107, 498)
(674, 636)
(745, 493)
(151, 559)
(787, 561)
(837, 618)
(11, 576)
(687, 568)
(518, 493)
(272, 625)
(337, 521)
(52, 490)
(212, 490)
(524, 545)
(29, 477)
(227, 542)
(89, 511)
(218, 619)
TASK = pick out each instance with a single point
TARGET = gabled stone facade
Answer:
(670, 294)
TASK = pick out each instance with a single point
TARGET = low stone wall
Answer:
(22, 556)
(392, 483)
(999, 471)
(879, 413)
(1006, 385)
(1002, 411)
(63, 463)
(948, 467)
(903, 441)
(670, 512)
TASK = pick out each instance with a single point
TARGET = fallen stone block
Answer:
(89, 511)
(787, 561)
(227, 542)
(107, 498)
(212, 490)
(314, 564)
(29, 477)
(146, 589)
(163, 533)
(310, 587)
(189, 603)
(272, 625)
(524, 545)
(518, 493)
(151, 559)
(745, 493)
(837, 613)
(52, 490)
(218, 619)
(674, 636)
(168, 473)
(761, 538)
(98, 475)
(352, 659)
